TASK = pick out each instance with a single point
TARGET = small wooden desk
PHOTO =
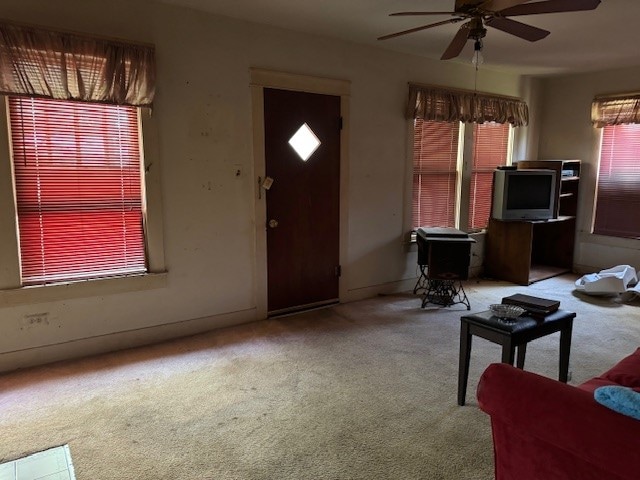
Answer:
(512, 334)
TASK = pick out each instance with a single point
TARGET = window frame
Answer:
(604, 230)
(13, 293)
(464, 175)
(78, 177)
(470, 159)
(457, 172)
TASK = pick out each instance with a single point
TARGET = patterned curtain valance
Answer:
(45, 63)
(615, 110)
(447, 105)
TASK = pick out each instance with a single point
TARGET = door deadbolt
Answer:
(273, 223)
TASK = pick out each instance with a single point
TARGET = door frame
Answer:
(261, 79)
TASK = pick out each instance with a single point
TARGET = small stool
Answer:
(512, 334)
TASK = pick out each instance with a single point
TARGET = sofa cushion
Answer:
(625, 373)
(623, 400)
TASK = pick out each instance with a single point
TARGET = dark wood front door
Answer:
(303, 202)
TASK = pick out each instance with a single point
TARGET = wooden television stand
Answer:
(525, 252)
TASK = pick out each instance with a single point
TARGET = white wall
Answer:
(566, 132)
(202, 121)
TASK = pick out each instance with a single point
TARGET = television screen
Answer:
(524, 194)
(529, 192)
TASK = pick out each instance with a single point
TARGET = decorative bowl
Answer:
(506, 311)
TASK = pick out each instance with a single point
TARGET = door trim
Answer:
(261, 79)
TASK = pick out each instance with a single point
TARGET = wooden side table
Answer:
(512, 334)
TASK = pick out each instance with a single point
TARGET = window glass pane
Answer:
(78, 189)
(490, 149)
(435, 159)
(617, 211)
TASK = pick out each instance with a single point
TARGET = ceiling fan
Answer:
(494, 13)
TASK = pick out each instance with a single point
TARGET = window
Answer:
(617, 211)
(490, 149)
(79, 189)
(451, 188)
(435, 173)
(76, 200)
(452, 182)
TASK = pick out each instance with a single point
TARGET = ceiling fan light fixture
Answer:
(476, 28)
(478, 57)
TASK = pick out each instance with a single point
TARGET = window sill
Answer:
(608, 241)
(87, 288)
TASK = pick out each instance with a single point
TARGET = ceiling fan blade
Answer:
(499, 5)
(457, 44)
(551, 6)
(417, 29)
(403, 14)
(527, 32)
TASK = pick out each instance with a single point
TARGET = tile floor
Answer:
(52, 464)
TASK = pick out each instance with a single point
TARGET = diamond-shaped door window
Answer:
(304, 142)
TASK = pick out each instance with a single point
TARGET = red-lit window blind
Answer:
(490, 149)
(78, 180)
(435, 158)
(618, 201)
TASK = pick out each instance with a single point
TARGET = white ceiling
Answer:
(605, 38)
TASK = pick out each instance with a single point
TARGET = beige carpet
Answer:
(365, 390)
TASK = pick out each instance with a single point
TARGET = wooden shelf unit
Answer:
(525, 252)
(566, 183)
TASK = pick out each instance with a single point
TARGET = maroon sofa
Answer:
(547, 430)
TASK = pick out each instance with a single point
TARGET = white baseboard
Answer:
(356, 294)
(121, 340)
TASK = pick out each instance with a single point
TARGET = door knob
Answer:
(273, 223)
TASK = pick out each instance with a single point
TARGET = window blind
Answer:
(78, 182)
(618, 196)
(490, 149)
(435, 182)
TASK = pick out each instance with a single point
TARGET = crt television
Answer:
(526, 194)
